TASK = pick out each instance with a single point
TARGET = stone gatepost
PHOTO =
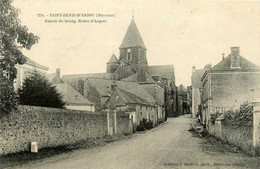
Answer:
(256, 126)
(115, 122)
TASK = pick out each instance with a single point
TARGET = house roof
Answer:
(244, 64)
(75, 77)
(35, 64)
(165, 71)
(196, 78)
(103, 86)
(121, 97)
(134, 78)
(132, 37)
(113, 59)
(70, 95)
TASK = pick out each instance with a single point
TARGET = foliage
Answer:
(13, 36)
(242, 116)
(144, 125)
(213, 117)
(38, 91)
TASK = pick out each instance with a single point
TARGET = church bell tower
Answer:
(132, 48)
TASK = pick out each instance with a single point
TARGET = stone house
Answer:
(228, 84)
(137, 107)
(26, 70)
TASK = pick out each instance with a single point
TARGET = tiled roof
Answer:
(75, 77)
(132, 37)
(103, 86)
(70, 95)
(134, 78)
(165, 71)
(121, 98)
(33, 63)
(113, 59)
(244, 64)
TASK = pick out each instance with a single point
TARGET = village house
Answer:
(131, 73)
(138, 108)
(196, 88)
(228, 84)
(26, 70)
(74, 100)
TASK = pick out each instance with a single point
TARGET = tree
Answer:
(13, 37)
(38, 91)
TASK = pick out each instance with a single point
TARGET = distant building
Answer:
(183, 100)
(196, 88)
(26, 70)
(228, 84)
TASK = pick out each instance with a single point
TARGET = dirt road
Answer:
(168, 146)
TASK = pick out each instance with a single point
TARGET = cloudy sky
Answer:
(181, 33)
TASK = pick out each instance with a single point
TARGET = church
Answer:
(130, 76)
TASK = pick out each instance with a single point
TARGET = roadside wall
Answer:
(240, 135)
(51, 127)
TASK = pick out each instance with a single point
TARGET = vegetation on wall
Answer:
(38, 91)
(13, 37)
(244, 115)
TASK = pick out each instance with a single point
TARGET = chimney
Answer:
(235, 51)
(223, 56)
(193, 68)
(58, 71)
(235, 57)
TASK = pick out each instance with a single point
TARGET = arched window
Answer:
(128, 55)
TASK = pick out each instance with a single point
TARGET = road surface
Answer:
(168, 146)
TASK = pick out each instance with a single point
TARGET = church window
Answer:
(128, 54)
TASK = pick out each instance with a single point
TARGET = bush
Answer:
(242, 116)
(38, 91)
(144, 125)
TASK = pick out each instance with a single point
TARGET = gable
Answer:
(245, 65)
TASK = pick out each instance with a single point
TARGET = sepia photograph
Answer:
(129, 84)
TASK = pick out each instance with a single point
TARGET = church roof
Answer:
(245, 65)
(132, 37)
(113, 59)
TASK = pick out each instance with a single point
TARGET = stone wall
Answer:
(237, 134)
(50, 127)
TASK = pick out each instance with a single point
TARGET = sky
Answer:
(183, 33)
